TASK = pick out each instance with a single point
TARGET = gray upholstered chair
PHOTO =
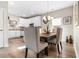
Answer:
(32, 40)
(57, 41)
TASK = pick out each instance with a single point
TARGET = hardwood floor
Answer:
(16, 49)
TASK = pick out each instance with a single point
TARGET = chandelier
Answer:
(46, 19)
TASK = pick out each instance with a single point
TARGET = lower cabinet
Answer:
(13, 34)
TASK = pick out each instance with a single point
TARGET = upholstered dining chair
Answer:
(57, 41)
(32, 40)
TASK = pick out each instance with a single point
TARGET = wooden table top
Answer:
(47, 35)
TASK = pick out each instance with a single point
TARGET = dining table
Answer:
(47, 36)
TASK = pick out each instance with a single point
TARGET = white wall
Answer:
(26, 22)
(67, 29)
(76, 27)
(4, 4)
(15, 19)
(76, 40)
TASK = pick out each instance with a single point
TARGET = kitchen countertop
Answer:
(16, 29)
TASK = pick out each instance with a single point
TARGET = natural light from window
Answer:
(21, 47)
(56, 22)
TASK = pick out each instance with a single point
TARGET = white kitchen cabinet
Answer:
(22, 33)
(26, 22)
(13, 34)
(17, 33)
(36, 21)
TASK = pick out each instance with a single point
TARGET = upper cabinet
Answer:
(36, 21)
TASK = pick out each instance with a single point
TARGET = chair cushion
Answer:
(42, 46)
(53, 41)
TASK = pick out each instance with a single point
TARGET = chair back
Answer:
(32, 38)
(59, 35)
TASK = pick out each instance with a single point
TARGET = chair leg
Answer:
(37, 55)
(58, 48)
(46, 51)
(61, 45)
(26, 52)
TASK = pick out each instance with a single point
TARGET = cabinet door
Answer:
(1, 27)
(12, 34)
(22, 33)
(36, 21)
(17, 33)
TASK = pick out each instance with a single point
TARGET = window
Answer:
(56, 22)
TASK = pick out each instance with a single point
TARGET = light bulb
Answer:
(49, 17)
(44, 18)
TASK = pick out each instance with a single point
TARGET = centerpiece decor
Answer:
(46, 19)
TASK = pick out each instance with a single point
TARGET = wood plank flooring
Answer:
(16, 49)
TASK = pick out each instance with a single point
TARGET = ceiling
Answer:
(30, 8)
